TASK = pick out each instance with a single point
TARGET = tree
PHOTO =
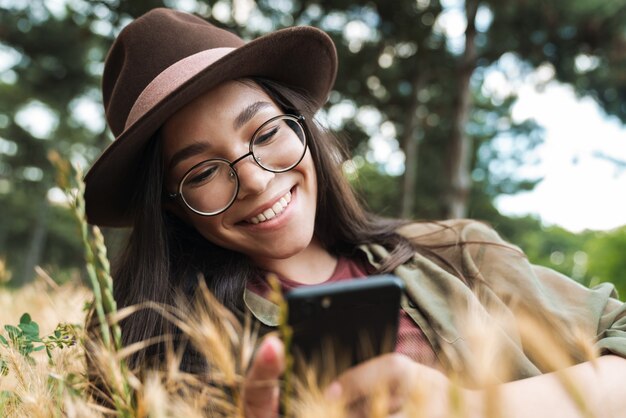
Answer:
(582, 40)
(55, 69)
(425, 134)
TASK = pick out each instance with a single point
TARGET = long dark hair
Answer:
(164, 255)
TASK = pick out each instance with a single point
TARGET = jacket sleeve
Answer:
(577, 313)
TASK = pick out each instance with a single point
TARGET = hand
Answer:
(392, 385)
(261, 392)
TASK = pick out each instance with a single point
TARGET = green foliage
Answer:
(23, 337)
(54, 58)
(557, 248)
(25, 340)
(380, 191)
(607, 261)
(566, 34)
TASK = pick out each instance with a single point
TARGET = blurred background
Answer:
(507, 111)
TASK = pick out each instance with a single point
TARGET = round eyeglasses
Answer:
(210, 187)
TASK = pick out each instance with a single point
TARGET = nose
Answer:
(253, 179)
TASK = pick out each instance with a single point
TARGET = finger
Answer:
(381, 383)
(388, 371)
(261, 391)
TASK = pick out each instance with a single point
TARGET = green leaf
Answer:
(4, 368)
(25, 318)
(13, 332)
(31, 330)
(26, 348)
(4, 341)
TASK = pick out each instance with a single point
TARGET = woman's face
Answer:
(220, 124)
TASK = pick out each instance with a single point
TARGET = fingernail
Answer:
(333, 391)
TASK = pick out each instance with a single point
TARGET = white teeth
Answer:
(278, 207)
(270, 213)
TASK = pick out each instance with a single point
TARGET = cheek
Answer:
(312, 176)
(308, 168)
(210, 228)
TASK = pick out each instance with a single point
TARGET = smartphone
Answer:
(338, 325)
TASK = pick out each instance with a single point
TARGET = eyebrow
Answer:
(247, 113)
(196, 148)
(187, 152)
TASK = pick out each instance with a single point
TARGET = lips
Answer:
(270, 213)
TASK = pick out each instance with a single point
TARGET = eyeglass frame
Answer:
(299, 119)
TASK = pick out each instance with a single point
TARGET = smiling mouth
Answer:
(272, 212)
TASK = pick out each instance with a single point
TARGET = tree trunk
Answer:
(410, 145)
(35, 249)
(461, 145)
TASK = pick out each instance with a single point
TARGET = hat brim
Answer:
(301, 57)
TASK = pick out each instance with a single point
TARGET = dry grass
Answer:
(57, 388)
(48, 305)
(39, 386)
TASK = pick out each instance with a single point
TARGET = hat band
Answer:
(171, 78)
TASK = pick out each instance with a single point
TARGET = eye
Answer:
(202, 175)
(266, 137)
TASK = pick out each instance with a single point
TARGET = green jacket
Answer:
(513, 320)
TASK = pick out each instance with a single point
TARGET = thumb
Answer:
(261, 391)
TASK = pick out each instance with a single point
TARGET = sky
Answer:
(580, 189)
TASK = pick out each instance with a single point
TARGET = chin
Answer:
(281, 250)
(287, 250)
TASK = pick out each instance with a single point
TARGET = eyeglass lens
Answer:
(277, 146)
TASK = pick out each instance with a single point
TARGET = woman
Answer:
(220, 170)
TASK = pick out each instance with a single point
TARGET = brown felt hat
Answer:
(165, 59)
